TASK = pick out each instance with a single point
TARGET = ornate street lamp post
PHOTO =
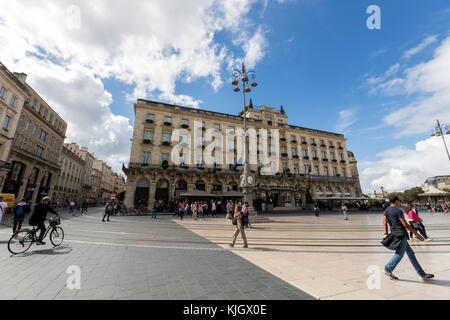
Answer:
(439, 132)
(247, 179)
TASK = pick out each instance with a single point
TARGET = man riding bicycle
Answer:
(39, 216)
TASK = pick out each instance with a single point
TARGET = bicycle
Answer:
(21, 241)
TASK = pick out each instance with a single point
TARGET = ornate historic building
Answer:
(36, 147)
(69, 181)
(13, 95)
(311, 162)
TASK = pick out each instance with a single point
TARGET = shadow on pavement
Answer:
(54, 251)
(435, 282)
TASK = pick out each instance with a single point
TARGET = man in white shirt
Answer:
(3, 206)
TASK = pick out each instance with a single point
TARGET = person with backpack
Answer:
(108, 209)
(20, 210)
(238, 221)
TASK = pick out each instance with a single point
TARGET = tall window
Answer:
(2, 92)
(167, 136)
(314, 154)
(294, 152)
(27, 126)
(148, 135)
(164, 157)
(6, 123)
(217, 126)
(34, 130)
(146, 157)
(293, 138)
(13, 101)
(43, 136)
(344, 173)
(285, 167)
(326, 171)
(333, 156)
(296, 169)
(39, 151)
(324, 155)
(185, 122)
(335, 172)
(305, 152)
(168, 119)
(151, 117)
(316, 170)
(342, 156)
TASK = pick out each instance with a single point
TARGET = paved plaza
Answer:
(298, 256)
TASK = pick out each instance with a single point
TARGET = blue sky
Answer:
(316, 58)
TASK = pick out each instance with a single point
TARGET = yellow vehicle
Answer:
(10, 199)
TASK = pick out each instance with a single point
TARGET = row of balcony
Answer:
(203, 169)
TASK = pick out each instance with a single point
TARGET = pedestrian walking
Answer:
(398, 238)
(3, 207)
(344, 211)
(154, 212)
(316, 210)
(214, 209)
(415, 221)
(238, 222)
(246, 216)
(108, 208)
(195, 211)
(200, 210)
(72, 206)
(20, 210)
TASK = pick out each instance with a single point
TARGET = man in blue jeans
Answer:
(394, 216)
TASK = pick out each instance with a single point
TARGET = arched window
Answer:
(143, 183)
(181, 185)
(217, 186)
(200, 185)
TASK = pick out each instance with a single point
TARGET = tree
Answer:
(412, 194)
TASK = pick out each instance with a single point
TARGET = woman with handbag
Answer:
(238, 222)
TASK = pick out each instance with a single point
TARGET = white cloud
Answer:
(425, 43)
(346, 119)
(427, 82)
(150, 45)
(401, 168)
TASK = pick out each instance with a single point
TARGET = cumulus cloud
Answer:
(401, 168)
(68, 46)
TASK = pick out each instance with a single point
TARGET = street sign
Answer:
(113, 196)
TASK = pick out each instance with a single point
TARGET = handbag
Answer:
(388, 240)
(234, 221)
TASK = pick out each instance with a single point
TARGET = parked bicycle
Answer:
(22, 241)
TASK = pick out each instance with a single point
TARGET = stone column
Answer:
(38, 185)
(26, 176)
(152, 192)
(293, 199)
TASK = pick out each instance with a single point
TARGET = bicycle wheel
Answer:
(57, 236)
(20, 242)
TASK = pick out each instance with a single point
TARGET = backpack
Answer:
(20, 210)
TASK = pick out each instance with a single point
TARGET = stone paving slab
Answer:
(328, 257)
(135, 258)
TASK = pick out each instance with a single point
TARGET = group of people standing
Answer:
(82, 206)
(197, 209)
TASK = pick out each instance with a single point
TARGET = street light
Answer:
(247, 179)
(439, 131)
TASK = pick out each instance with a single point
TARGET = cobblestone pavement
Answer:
(135, 258)
(330, 258)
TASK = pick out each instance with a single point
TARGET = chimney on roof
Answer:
(21, 76)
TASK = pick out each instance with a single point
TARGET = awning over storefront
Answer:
(204, 194)
(231, 194)
(197, 194)
(349, 198)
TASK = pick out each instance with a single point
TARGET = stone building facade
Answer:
(69, 181)
(311, 162)
(13, 95)
(37, 144)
